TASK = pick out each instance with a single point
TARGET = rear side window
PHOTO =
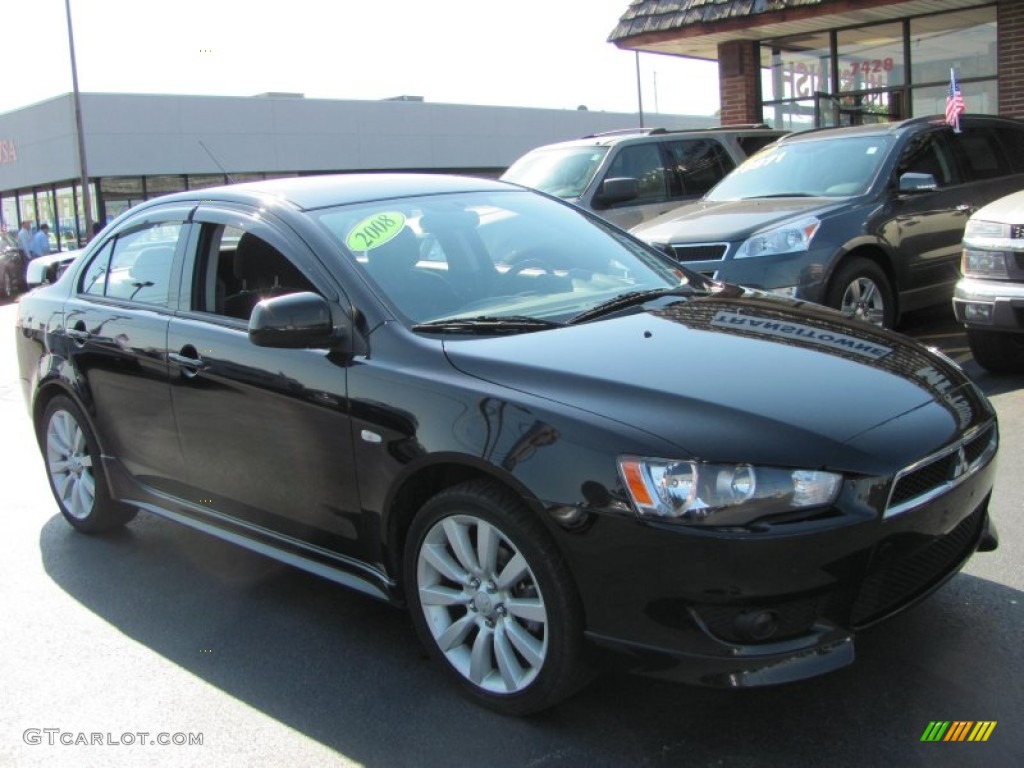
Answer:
(751, 144)
(1012, 141)
(982, 154)
(695, 166)
(135, 266)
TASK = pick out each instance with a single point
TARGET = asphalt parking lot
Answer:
(159, 630)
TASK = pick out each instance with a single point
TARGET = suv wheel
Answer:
(492, 600)
(997, 352)
(861, 288)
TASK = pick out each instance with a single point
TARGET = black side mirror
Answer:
(618, 190)
(917, 182)
(295, 321)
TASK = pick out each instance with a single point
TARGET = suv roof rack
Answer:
(661, 130)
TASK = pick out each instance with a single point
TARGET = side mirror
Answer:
(619, 190)
(917, 182)
(293, 321)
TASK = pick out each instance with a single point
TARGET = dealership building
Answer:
(799, 64)
(139, 146)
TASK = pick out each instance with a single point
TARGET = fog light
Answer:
(977, 312)
(756, 625)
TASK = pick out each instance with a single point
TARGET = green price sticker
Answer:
(374, 231)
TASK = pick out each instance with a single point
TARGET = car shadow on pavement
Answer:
(347, 671)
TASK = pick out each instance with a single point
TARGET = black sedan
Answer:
(544, 437)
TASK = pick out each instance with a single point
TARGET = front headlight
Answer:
(993, 229)
(978, 263)
(787, 238)
(693, 493)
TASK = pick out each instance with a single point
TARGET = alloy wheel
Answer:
(70, 465)
(865, 300)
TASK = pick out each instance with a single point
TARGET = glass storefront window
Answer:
(46, 213)
(80, 210)
(9, 213)
(979, 98)
(67, 222)
(27, 204)
(965, 40)
(790, 115)
(871, 58)
(120, 193)
(795, 67)
(200, 181)
(164, 185)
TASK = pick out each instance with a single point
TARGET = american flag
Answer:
(954, 102)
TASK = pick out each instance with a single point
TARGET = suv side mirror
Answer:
(917, 182)
(293, 321)
(619, 190)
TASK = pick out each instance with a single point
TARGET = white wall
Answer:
(136, 134)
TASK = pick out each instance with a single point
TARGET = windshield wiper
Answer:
(487, 324)
(630, 299)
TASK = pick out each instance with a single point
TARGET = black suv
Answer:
(633, 175)
(867, 219)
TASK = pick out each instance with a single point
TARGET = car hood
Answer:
(728, 220)
(753, 380)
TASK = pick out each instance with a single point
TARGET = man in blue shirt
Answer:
(41, 241)
(25, 239)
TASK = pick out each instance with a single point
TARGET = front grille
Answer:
(894, 584)
(699, 252)
(937, 474)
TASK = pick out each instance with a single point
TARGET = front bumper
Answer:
(693, 612)
(995, 305)
(804, 272)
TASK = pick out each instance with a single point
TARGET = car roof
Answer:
(611, 138)
(893, 128)
(310, 192)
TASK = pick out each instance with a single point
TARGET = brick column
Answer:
(739, 82)
(1010, 50)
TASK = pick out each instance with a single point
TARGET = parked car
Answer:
(633, 175)
(12, 265)
(866, 219)
(46, 269)
(989, 299)
(548, 440)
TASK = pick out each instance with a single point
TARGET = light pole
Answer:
(86, 196)
(639, 92)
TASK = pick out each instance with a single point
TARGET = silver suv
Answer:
(630, 176)
(989, 299)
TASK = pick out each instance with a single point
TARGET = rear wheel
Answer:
(997, 352)
(72, 466)
(492, 600)
(861, 288)
(8, 286)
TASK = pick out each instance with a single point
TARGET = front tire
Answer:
(73, 468)
(492, 600)
(861, 288)
(997, 352)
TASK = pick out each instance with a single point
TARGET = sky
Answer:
(532, 53)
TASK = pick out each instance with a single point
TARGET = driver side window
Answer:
(236, 269)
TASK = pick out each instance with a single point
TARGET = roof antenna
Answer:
(216, 162)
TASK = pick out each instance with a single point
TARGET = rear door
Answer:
(117, 319)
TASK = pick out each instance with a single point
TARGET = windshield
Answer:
(826, 167)
(564, 172)
(505, 254)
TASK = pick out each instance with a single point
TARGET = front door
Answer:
(265, 432)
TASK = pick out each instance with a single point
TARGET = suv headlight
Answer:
(981, 263)
(693, 493)
(787, 238)
(990, 229)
